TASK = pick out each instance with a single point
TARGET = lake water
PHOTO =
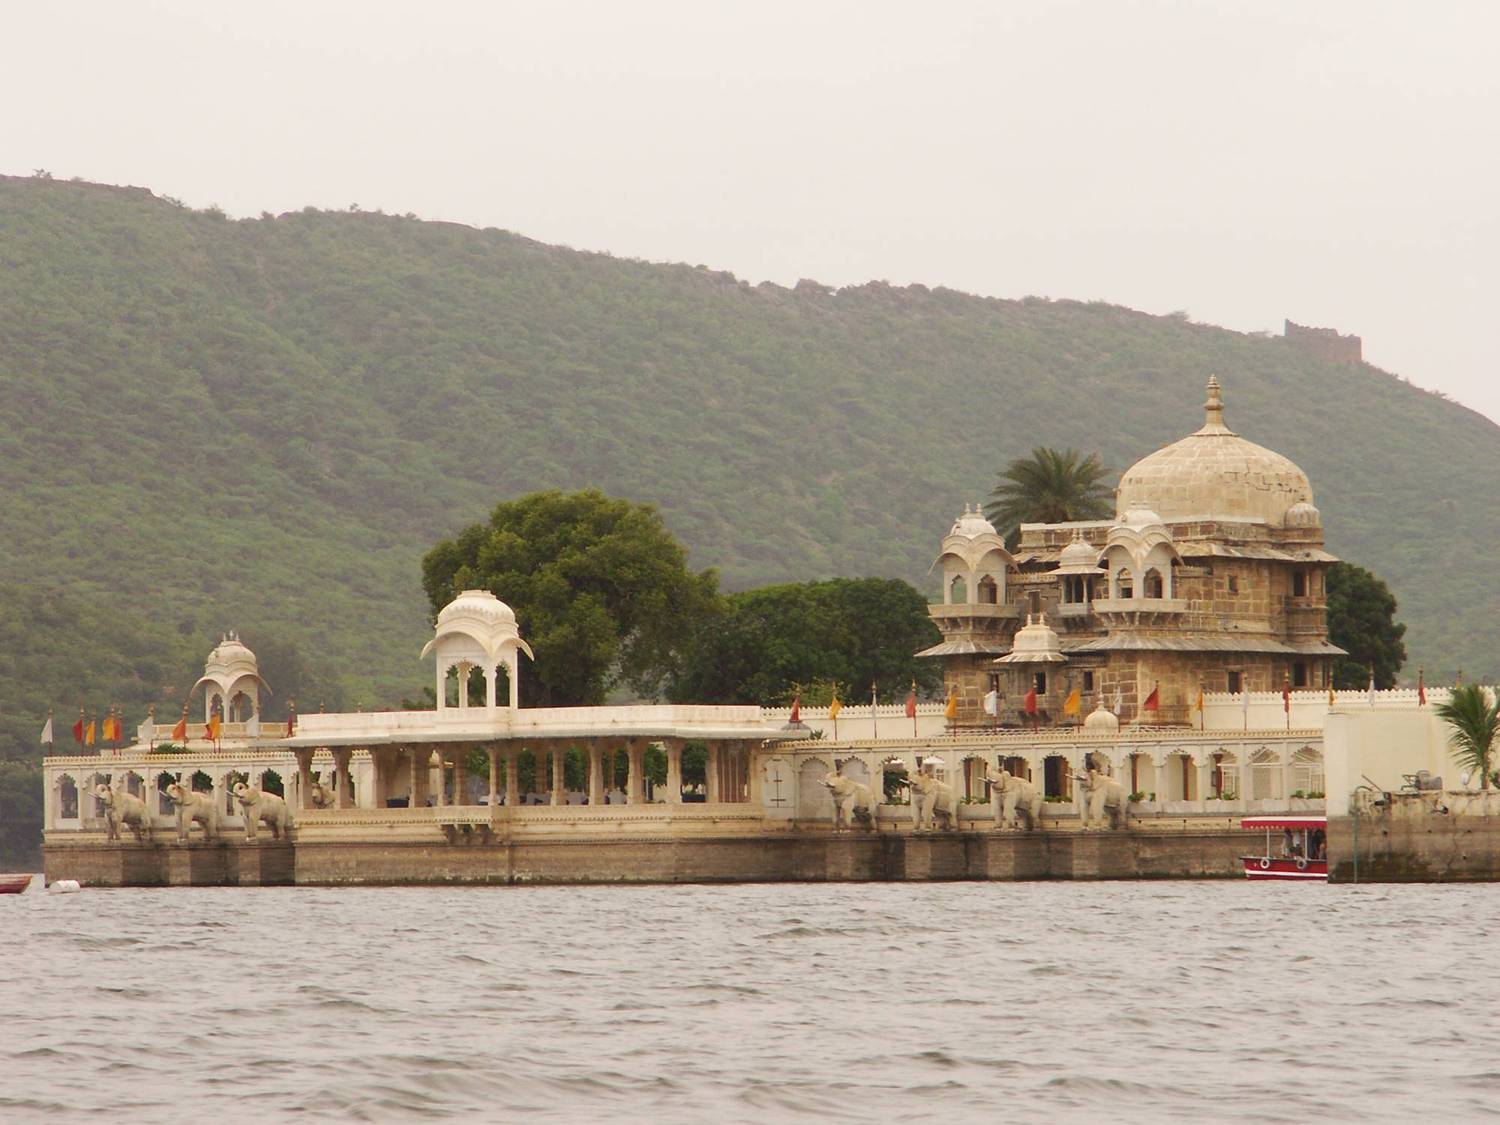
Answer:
(1218, 1001)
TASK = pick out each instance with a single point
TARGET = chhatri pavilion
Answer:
(1209, 578)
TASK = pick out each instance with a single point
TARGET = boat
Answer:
(1302, 852)
(14, 884)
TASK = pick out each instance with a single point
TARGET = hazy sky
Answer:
(1331, 162)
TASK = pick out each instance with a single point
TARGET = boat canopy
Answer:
(1293, 822)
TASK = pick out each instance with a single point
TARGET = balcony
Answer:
(985, 610)
(1139, 611)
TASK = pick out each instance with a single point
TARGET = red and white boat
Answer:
(1300, 848)
(14, 884)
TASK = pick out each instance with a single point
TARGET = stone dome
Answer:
(1078, 557)
(1215, 473)
(1036, 642)
(1140, 514)
(972, 524)
(1303, 515)
(230, 655)
(1100, 719)
(477, 605)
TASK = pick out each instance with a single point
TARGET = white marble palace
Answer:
(1207, 583)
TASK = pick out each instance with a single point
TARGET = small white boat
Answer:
(64, 887)
(14, 884)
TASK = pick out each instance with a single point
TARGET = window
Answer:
(1299, 674)
(1299, 584)
(1088, 681)
(1124, 583)
(1040, 682)
(1152, 586)
(989, 592)
(1234, 584)
(1236, 682)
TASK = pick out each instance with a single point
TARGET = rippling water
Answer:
(843, 1002)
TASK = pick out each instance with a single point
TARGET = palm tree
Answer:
(1049, 487)
(1475, 722)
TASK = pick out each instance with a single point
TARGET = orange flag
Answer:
(179, 732)
(88, 734)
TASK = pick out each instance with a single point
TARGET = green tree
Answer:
(1049, 487)
(601, 591)
(852, 631)
(1474, 721)
(1362, 621)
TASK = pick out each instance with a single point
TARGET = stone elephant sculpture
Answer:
(320, 796)
(122, 808)
(193, 806)
(1102, 800)
(257, 805)
(1015, 799)
(852, 802)
(930, 799)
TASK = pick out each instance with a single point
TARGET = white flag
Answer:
(47, 732)
(252, 726)
(1119, 703)
(1372, 689)
(992, 703)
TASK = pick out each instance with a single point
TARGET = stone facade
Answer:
(1210, 578)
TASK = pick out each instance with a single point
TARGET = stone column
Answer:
(596, 774)
(1159, 768)
(711, 774)
(674, 770)
(753, 757)
(559, 775)
(344, 784)
(416, 779)
(1205, 763)
(464, 668)
(440, 795)
(513, 669)
(512, 777)
(304, 778)
(460, 776)
(489, 687)
(1288, 777)
(636, 793)
(494, 771)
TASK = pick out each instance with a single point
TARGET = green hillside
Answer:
(261, 424)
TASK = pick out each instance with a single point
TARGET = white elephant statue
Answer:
(852, 802)
(931, 799)
(193, 806)
(122, 808)
(1015, 799)
(320, 796)
(257, 805)
(1102, 800)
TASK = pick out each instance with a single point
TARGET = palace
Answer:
(1206, 591)
(1208, 579)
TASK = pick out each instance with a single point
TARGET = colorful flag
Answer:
(1421, 688)
(950, 709)
(1286, 696)
(1153, 701)
(1200, 698)
(1119, 703)
(911, 704)
(47, 732)
(1073, 703)
(117, 728)
(179, 732)
(1031, 700)
(796, 708)
(834, 707)
(1371, 696)
(991, 703)
(1331, 699)
(211, 732)
(291, 719)
(88, 734)
(78, 731)
(252, 726)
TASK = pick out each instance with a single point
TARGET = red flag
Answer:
(211, 732)
(1286, 697)
(179, 732)
(78, 732)
(1421, 688)
(291, 723)
(1153, 701)
(1031, 700)
(911, 705)
(796, 713)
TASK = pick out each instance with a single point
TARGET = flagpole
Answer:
(151, 723)
(914, 708)
(874, 718)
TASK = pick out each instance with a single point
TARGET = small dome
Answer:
(477, 604)
(1140, 514)
(1303, 515)
(1035, 643)
(1100, 719)
(972, 524)
(1078, 557)
(1215, 473)
(230, 655)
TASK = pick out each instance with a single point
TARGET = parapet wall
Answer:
(1427, 838)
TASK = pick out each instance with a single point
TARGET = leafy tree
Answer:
(851, 631)
(1049, 487)
(601, 591)
(1362, 621)
(1474, 721)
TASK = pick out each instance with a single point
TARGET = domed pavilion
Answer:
(1209, 578)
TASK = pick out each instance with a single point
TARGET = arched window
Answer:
(1124, 584)
(1152, 586)
(989, 591)
(67, 798)
(958, 590)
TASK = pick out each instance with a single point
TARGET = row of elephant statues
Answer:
(1017, 801)
(257, 806)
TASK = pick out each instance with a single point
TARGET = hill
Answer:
(261, 424)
